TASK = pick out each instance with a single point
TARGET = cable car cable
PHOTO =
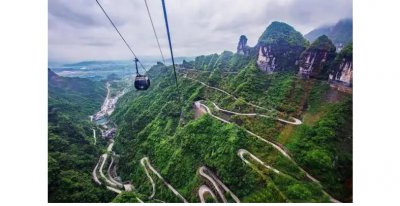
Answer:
(126, 43)
(154, 30)
(172, 57)
(169, 41)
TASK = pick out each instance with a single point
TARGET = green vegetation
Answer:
(323, 43)
(150, 125)
(159, 124)
(346, 53)
(324, 52)
(76, 96)
(278, 32)
(325, 148)
(286, 45)
(72, 155)
(127, 197)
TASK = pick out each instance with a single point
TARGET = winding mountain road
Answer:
(94, 173)
(218, 185)
(110, 146)
(114, 189)
(109, 182)
(142, 162)
(110, 176)
(242, 152)
(146, 163)
(220, 188)
(280, 148)
(294, 122)
(203, 190)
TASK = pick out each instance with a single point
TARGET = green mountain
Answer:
(71, 152)
(168, 130)
(78, 97)
(238, 127)
(341, 33)
(279, 47)
(279, 32)
(342, 69)
(317, 59)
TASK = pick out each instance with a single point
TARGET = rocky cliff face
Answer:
(242, 47)
(266, 60)
(343, 68)
(316, 59)
(279, 47)
(345, 73)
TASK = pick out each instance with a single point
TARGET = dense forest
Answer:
(152, 124)
(267, 156)
(72, 154)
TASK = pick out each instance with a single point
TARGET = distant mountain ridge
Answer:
(341, 33)
(146, 60)
(69, 94)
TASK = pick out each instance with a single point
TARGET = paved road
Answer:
(110, 146)
(109, 182)
(294, 122)
(113, 189)
(242, 152)
(110, 176)
(142, 162)
(280, 148)
(146, 164)
(220, 187)
(94, 173)
(106, 109)
(203, 190)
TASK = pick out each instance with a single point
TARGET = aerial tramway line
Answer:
(142, 81)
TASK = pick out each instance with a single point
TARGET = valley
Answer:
(264, 124)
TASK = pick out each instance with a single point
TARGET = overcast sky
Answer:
(78, 30)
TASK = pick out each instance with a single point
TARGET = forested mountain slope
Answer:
(248, 110)
(238, 127)
(71, 152)
(340, 33)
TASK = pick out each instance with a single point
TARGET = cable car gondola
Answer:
(142, 82)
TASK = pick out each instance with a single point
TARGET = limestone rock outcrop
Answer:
(279, 47)
(315, 60)
(242, 47)
(266, 60)
(343, 68)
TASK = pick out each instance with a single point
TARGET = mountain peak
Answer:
(340, 33)
(242, 47)
(323, 43)
(280, 31)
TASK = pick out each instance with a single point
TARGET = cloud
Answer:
(78, 30)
